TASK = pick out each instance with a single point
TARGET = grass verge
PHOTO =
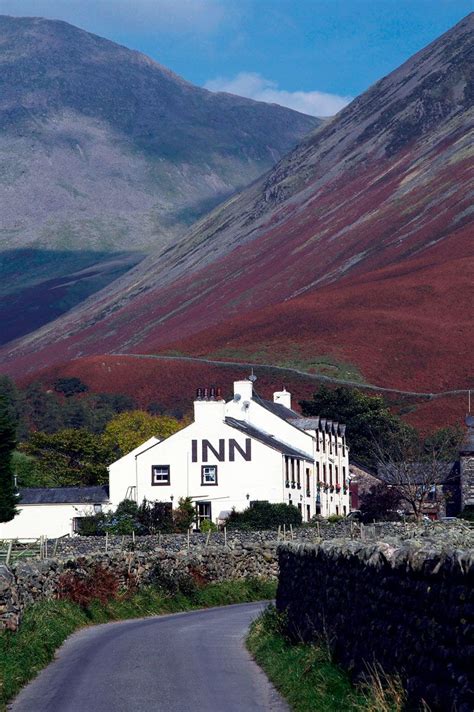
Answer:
(309, 680)
(46, 625)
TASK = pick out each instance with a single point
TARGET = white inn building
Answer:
(235, 453)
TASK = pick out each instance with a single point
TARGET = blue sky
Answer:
(312, 55)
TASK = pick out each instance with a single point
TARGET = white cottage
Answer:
(53, 511)
(245, 450)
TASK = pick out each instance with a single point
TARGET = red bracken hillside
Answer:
(172, 385)
(353, 256)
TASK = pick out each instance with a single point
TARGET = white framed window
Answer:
(160, 475)
(209, 475)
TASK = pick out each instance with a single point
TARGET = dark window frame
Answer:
(160, 484)
(208, 484)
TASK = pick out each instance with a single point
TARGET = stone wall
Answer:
(30, 581)
(454, 534)
(407, 607)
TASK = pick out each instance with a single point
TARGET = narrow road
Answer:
(298, 372)
(186, 662)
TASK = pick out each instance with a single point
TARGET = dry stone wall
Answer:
(408, 608)
(29, 581)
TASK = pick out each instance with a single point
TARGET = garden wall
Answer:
(31, 580)
(406, 608)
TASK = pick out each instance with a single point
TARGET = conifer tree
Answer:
(7, 445)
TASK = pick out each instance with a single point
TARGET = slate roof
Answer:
(418, 473)
(267, 439)
(306, 423)
(64, 495)
(276, 408)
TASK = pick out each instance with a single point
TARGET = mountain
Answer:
(353, 256)
(105, 155)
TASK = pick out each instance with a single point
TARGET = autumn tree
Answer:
(130, 429)
(70, 457)
(7, 446)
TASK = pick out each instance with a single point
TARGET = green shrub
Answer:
(207, 525)
(155, 517)
(263, 515)
(184, 515)
(333, 518)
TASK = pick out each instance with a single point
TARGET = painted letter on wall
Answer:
(234, 445)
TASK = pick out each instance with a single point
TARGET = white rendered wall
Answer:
(261, 478)
(123, 474)
(51, 520)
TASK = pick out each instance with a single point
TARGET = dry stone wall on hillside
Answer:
(408, 608)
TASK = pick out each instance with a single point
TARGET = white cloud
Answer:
(189, 16)
(254, 86)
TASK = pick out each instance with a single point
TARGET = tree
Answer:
(69, 386)
(367, 418)
(70, 457)
(184, 515)
(380, 503)
(416, 468)
(128, 430)
(8, 497)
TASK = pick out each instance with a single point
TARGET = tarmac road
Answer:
(185, 662)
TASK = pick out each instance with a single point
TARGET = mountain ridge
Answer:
(355, 250)
(104, 149)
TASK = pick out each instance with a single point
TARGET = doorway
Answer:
(203, 512)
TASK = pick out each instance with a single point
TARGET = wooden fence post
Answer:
(9, 552)
(106, 542)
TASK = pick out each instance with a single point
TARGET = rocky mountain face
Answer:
(353, 254)
(103, 151)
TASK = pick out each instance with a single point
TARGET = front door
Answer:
(203, 511)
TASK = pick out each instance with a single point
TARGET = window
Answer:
(308, 512)
(160, 475)
(330, 475)
(308, 482)
(317, 472)
(324, 472)
(298, 474)
(209, 475)
(336, 469)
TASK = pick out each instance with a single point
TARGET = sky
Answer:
(311, 55)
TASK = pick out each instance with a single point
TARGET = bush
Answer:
(263, 515)
(82, 587)
(155, 517)
(207, 525)
(175, 582)
(334, 518)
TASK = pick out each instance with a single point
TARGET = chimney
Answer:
(244, 389)
(283, 398)
(209, 405)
